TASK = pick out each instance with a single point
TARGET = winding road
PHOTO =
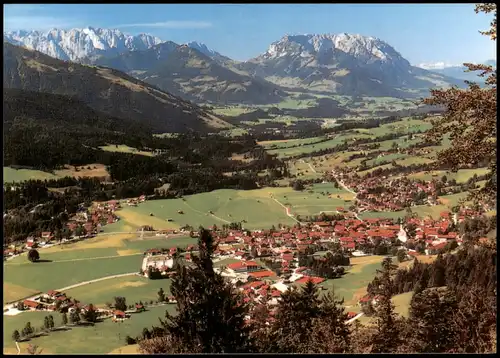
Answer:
(9, 306)
(345, 187)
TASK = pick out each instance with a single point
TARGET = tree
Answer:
(470, 117)
(306, 323)
(431, 316)
(74, 317)
(33, 255)
(401, 255)
(16, 336)
(120, 303)
(298, 185)
(161, 295)
(64, 319)
(46, 323)
(210, 314)
(90, 314)
(28, 330)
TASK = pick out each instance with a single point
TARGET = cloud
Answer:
(27, 22)
(173, 25)
(436, 65)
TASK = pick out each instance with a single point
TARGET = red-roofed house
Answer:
(315, 280)
(243, 266)
(261, 274)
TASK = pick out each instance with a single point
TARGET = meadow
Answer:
(314, 199)
(352, 286)
(309, 148)
(133, 288)
(121, 148)
(254, 206)
(102, 338)
(83, 261)
(19, 175)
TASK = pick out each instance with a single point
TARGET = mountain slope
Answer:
(80, 44)
(342, 64)
(104, 89)
(214, 55)
(187, 72)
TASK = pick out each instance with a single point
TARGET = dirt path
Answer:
(86, 259)
(310, 166)
(202, 213)
(355, 318)
(287, 210)
(78, 285)
(345, 187)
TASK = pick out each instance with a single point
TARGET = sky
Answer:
(421, 33)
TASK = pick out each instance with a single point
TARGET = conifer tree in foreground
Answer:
(306, 323)
(210, 315)
(387, 337)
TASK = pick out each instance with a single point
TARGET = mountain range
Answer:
(457, 71)
(341, 64)
(106, 90)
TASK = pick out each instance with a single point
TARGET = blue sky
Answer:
(422, 33)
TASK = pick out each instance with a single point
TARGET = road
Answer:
(9, 306)
(287, 210)
(345, 187)
(310, 166)
(355, 318)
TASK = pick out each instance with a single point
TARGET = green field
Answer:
(124, 149)
(339, 139)
(461, 176)
(277, 144)
(133, 288)
(254, 206)
(79, 262)
(99, 339)
(352, 286)
(311, 201)
(18, 175)
(402, 303)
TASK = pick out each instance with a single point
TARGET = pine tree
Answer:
(64, 319)
(210, 315)
(387, 338)
(16, 336)
(306, 323)
(431, 319)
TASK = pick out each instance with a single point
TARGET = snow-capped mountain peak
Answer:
(81, 43)
(202, 48)
(367, 49)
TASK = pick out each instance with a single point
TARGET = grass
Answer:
(341, 138)
(79, 262)
(102, 338)
(12, 292)
(18, 175)
(352, 286)
(277, 144)
(402, 303)
(311, 201)
(254, 206)
(461, 176)
(133, 288)
(44, 276)
(121, 148)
